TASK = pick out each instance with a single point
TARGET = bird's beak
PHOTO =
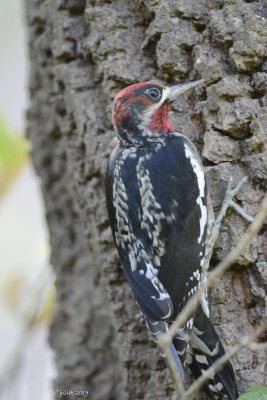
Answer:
(176, 90)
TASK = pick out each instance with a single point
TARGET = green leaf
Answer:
(13, 155)
(13, 147)
(256, 392)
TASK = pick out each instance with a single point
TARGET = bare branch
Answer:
(191, 305)
(225, 264)
(229, 195)
(241, 211)
(179, 387)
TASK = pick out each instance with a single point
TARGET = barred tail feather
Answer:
(205, 349)
(159, 327)
(178, 364)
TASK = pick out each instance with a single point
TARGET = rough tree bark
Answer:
(81, 54)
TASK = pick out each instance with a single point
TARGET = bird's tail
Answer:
(157, 328)
(205, 348)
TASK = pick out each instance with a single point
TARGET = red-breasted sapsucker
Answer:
(157, 199)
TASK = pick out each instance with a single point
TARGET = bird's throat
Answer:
(160, 121)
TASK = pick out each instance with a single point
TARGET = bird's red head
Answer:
(142, 109)
(145, 105)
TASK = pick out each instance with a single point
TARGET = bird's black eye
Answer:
(153, 93)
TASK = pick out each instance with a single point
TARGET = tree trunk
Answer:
(80, 56)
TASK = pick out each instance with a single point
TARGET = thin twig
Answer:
(209, 373)
(241, 211)
(227, 201)
(179, 387)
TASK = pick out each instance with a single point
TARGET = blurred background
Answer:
(27, 297)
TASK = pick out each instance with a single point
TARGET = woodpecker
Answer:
(157, 201)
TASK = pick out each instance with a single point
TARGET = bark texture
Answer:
(81, 54)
